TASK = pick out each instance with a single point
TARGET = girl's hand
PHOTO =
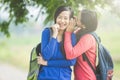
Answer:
(77, 29)
(41, 61)
(71, 25)
(55, 29)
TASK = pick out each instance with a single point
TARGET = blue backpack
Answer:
(104, 69)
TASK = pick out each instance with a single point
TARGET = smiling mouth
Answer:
(63, 25)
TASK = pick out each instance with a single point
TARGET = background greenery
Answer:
(18, 10)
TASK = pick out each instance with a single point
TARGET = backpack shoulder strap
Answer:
(97, 38)
(85, 58)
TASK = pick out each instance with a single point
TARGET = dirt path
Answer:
(9, 72)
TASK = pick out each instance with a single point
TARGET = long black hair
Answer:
(89, 20)
(57, 12)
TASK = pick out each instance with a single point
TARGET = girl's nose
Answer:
(62, 20)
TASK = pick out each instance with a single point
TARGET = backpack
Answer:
(104, 69)
(34, 67)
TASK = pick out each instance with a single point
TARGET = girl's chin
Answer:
(62, 28)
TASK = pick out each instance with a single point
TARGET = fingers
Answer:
(55, 28)
(73, 22)
(40, 54)
(39, 59)
(71, 25)
(76, 30)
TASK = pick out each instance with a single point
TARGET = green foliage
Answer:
(18, 9)
(4, 28)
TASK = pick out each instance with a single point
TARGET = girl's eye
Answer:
(59, 17)
(66, 18)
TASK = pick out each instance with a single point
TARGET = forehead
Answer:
(64, 13)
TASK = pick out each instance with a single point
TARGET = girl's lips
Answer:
(62, 25)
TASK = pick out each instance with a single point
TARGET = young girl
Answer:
(86, 44)
(56, 67)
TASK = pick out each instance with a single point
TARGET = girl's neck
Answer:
(60, 35)
(60, 32)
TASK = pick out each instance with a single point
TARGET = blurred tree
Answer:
(17, 9)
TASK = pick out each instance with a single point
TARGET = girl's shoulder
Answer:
(47, 30)
(88, 37)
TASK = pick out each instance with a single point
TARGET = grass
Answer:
(16, 50)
